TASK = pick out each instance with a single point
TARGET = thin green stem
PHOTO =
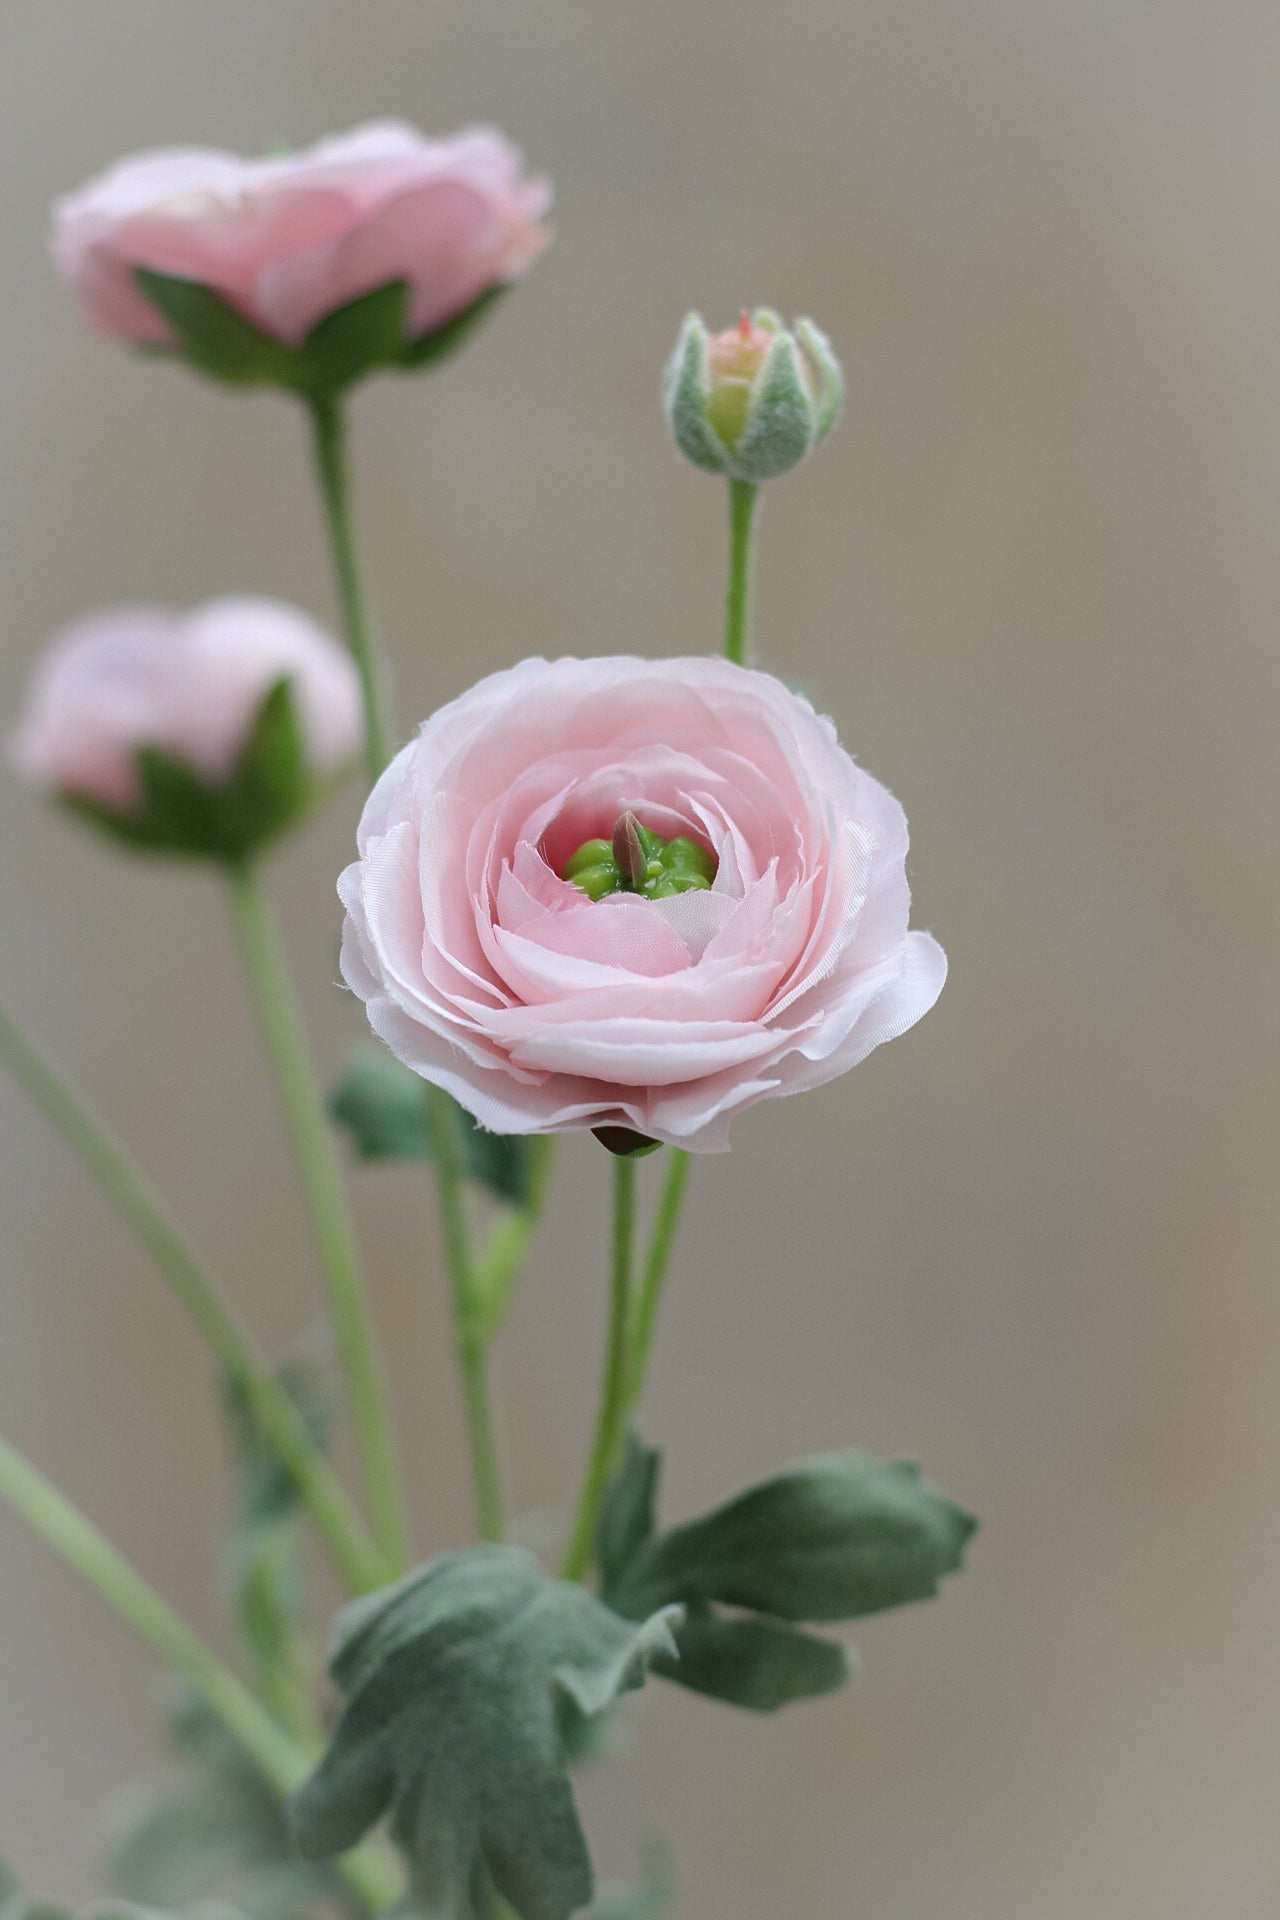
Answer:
(471, 1331)
(644, 1321)
(321, 1171)
(283, 1762)
(329, 429)
(502, 1255)
(144, 1213)
(737, 613)
(611, 1419)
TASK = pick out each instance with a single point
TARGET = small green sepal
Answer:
(181, 811)
(368, 334)
(751, 402)
(624, 1144)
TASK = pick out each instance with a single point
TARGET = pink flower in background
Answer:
(189, 683)
(286, 241)
(541, 1009)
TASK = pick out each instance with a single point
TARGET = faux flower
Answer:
(139, 711)
(677, 985)
(754, 400)
(286, 241)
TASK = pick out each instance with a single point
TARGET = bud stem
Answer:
(737, 620)
(329, 427)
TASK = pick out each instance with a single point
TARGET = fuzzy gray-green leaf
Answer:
(452, 1680)
(830, 1538)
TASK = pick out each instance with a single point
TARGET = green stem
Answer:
(144, 1213)
(329, 428)
(321, 1172)
(281, 1760)
(737, 613)
(611, 1419)
(470, 1328)
(655, 1273)
(503, 1253)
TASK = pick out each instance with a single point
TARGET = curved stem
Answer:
(321, 1172)
(329, 429)
(737, 613)
(611, 1420)
(655, 1272)
(281, 1760)
(144, 1213)
(470, 1329)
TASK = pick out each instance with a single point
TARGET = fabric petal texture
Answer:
(289, 239)
(542, 1010)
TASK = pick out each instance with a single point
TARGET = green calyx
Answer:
(368, 335)
(181, 811)
(752, 401)
(638, 861)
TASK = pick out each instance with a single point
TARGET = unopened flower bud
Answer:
(636, 860)
(752, 401)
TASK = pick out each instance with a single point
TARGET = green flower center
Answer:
(637, 861)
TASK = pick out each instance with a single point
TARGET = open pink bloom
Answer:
(189, 683)
(541, 1010)
(286, 241)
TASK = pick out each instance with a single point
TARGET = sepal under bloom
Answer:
(752, 401)
(205, 733)
(307, 270)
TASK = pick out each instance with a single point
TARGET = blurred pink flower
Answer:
(287, 240)
(541, 1010)
(189, 683)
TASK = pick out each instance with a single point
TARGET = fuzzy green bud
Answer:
(752, 401)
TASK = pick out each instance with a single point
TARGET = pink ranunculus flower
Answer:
(288, 240)
(191, 684)
(543, 1010)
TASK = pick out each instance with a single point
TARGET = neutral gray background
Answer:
(1035, 578)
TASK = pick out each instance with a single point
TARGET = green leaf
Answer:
(368, 332)
(212, 336)
(262, 1566)
(216, 1829)
(757, 1664)
(452, 1680)
(383, 1106)
(429, 348)
(628, 1512)
(828, 1539)
(831, 1538)
(649, 1898)
(183, 812)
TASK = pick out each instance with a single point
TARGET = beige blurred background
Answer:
(1035, 577)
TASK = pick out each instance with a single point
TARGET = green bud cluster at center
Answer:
(638, 861)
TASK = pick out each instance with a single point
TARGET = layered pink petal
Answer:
(541, 1010)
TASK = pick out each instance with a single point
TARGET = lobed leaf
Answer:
(829, 1539)
(452, 1681)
